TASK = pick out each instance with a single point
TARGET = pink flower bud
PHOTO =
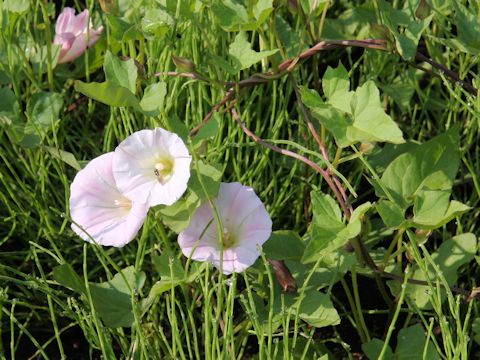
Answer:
(72, 32)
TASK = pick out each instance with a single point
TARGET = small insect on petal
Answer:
(152, 166)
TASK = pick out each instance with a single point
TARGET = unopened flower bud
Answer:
(109, 6)
(284, 276)
(422, 235)
(184, 64)
(367, 147)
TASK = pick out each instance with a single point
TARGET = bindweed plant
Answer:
(239, 179)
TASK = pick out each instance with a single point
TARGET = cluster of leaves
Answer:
(406, 220)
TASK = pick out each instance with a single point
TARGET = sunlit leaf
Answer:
(432, 165)
(108, 93)
(283, 245)
(120, 72)
(242, 54)
(153, 98)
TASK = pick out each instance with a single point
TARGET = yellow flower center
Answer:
(163, 170)
(228, 239)
(123, 203)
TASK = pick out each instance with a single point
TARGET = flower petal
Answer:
(99, 209)
(63, 20)
(244, 218)
(135, 163)
(76, 49)
(78, 24)
(236, 202)
(72, 32)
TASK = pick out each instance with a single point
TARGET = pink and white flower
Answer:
(99, 208)
(246, 225)
(152, 167)
(74, 33)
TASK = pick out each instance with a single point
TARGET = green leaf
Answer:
(177, 216)
(400, 92)
(108, 93)
(153, 98)
(374, 347)
(64, 156)
(289, 38)
(391, 214)
(242, 54)
(123, 31)
(16, 6)
(9, 108)
(210, 177)
(178, 127)
(181, 8)
(162, 286)
(230, 15)
(284, 245)
(333, 267)
(381, 159)
(328, 232)
(370, 120)
(452, 254)
(317, 310)
(209, 130)
(261, 10)
(411, 344)
(156, 22)
(355, 224)
(333, 120)
(407, 42)
(433, 209)
(112, 299)
(365, 121)
(336, 87)
(66, 276)
(168, 267)
(432, 166)
(468, 27)
(326, 212)
(120, 72)
(313, 8)
(43, 110)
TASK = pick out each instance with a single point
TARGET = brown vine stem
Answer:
(227, 97)
(323, 149)
(451, 74)
(364, 253)
(292, 154)
(289, 64)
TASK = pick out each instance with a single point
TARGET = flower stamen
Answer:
(163, 170)
(124, 202)
(228, 239)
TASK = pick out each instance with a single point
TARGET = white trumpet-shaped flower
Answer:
(246, 225)
(152, 166)
(99, 208)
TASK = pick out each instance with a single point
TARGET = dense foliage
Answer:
(355, 123)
